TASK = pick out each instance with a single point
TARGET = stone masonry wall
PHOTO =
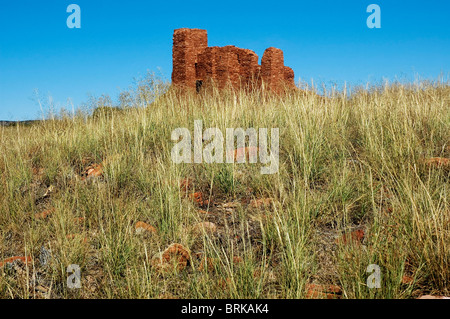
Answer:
(187, 45)
(194, 63)
(226, 65)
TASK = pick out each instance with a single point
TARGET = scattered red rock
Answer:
(198, 198)
(25, 260)
(356, 236)
(92, 171)
(95, 170)
(142, 227)
(438, 162)
(315, 291)
(406, 279)
(175, 256)
(44, 214)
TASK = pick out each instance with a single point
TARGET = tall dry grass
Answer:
(348, 161)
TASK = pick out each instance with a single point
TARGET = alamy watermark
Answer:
(374, 20)
(74, 20)
(213, 152)
(74, 279)
(374, 280)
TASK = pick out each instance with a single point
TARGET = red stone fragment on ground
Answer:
(315, 291)
(175, 255)
(25, 260)
(407, 279)
(198, 198)
(144, 227)
(356, 236)
(325, 288)
(95, 170)
(438, 162)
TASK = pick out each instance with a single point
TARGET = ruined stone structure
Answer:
(194, 64)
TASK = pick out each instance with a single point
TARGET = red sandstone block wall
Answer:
(227, 65)
(187, 45)
(194, 61)
(273, 72)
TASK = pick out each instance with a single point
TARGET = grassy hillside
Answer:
(355, 187)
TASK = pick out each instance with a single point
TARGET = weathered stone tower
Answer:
(187, 45)
(194, 63)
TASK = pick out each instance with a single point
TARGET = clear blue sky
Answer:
(327, 41)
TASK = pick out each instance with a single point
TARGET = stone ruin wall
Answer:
(194, 63)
